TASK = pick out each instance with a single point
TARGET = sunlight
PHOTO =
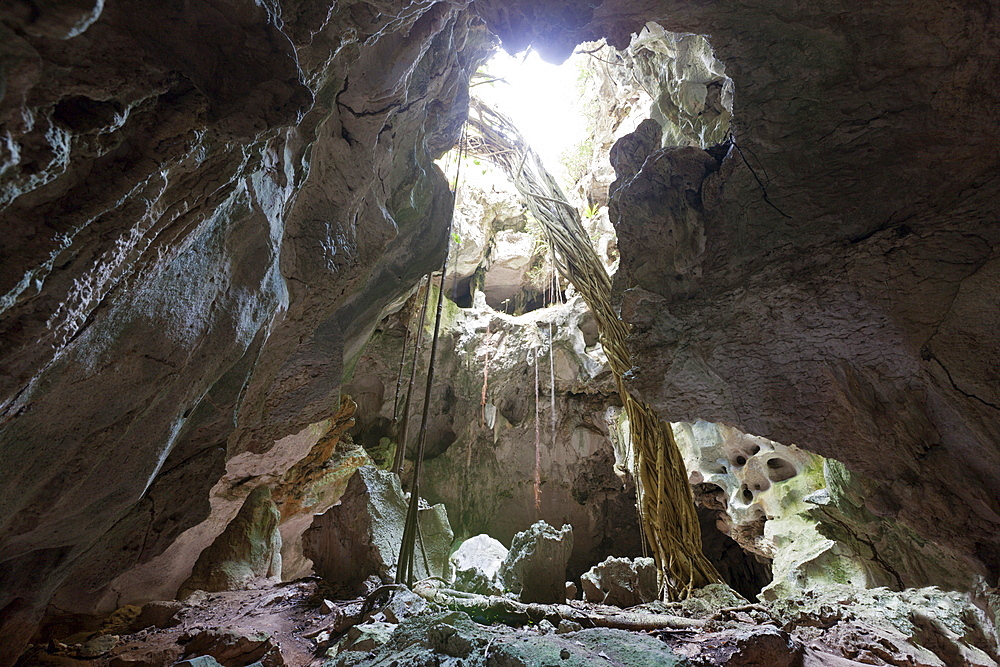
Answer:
(541, 99)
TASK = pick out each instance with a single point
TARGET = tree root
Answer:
(497, 609)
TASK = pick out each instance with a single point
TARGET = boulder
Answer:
(571, 590)
(477, 563)
(158, 614)
(622, 582)
(481, 552)
(535, 567)
(474, 581)
(403, 604)
(367, 636)
(360, 537)
(235, 647)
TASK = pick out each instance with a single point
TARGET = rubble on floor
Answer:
(299, 624)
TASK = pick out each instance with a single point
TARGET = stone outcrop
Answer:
(360, 536)
(622, 582)
(535, 567)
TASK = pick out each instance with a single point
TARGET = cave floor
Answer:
(305, 623)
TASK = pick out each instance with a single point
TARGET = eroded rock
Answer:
(535, 567)
(622, 582)
(248, 550)
(360, 537)
(807, 515)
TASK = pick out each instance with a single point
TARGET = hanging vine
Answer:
(666, 505)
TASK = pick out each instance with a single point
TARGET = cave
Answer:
(222, 220)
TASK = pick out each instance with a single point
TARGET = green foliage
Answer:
(575, 161)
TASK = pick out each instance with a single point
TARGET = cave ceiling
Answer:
(207, 207)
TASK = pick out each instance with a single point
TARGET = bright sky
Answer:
(541, 100)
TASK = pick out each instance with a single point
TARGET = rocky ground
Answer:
(297, 624)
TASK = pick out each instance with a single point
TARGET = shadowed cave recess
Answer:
(218, 217)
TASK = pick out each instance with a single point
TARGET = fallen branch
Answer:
(497, 609)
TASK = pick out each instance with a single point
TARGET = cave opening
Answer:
(201, 469)
(572, 115)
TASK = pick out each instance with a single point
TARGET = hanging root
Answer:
(666, 505)
(498, 609)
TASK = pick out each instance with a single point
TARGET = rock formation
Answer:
(535, 567)
(360, 536)
(207, 207)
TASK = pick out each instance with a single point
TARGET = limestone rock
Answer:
(924, 626)
(97, 646)
(202, 661)
(485, 204)
(366, 637)
(249, 549)
(746, 646)
(482, 555)
(360, 537)
(475, 581)
(622, 582)
(806, 514)
(403, 604)
(571, 590)
(158, 614)
(445, 638)
(208, 265)
(234, 647)
(535, 567)
(511, 257)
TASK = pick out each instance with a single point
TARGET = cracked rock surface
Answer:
(208, 206)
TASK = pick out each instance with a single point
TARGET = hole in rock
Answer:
(778, 470)
(498, 248)
(747, 573)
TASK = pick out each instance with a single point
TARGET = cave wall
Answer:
(481, 424)
(207, 205)
(831, 282)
